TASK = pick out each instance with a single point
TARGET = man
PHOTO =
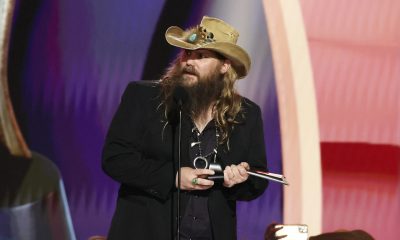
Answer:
(218, 126)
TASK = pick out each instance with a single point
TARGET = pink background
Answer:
(355, 54)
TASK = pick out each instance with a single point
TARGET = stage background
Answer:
(354, 47)
(70, 61)
(69, 64)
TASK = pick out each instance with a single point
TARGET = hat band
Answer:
(199, 36)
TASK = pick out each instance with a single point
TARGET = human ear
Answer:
(225, 66)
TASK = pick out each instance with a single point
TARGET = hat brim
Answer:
(237, 55)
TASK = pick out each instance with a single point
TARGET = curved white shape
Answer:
(298, 114)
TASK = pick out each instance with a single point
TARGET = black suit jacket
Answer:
(139, 153)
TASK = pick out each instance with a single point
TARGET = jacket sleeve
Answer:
(121, 158)
(256, 157)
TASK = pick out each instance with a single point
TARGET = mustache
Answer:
(190, 70)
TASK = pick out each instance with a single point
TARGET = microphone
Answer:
(180, 96)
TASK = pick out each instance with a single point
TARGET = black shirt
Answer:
(195, 224)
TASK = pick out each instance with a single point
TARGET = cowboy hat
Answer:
(212, 34)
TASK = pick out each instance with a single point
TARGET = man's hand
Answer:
(195, 179)
(235, 174)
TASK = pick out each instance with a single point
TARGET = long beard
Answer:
(203, 93)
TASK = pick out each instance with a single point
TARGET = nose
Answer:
(189, 61)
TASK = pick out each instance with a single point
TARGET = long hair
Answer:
(227, 106)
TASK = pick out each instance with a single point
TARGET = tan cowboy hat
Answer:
(213, 34)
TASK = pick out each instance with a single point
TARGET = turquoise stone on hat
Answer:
(192, 37)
